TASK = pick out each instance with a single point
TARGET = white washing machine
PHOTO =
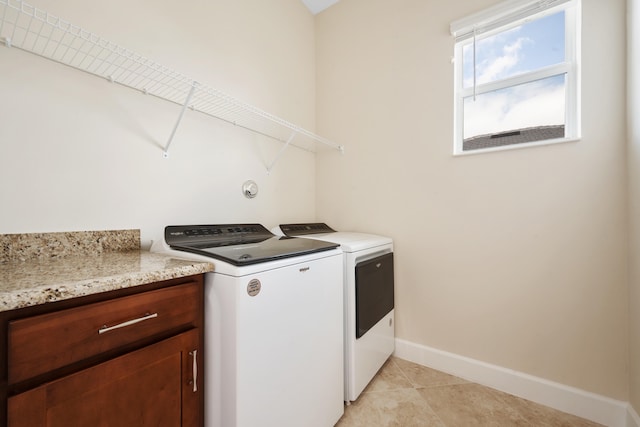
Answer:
(368, 298)
(273, 325)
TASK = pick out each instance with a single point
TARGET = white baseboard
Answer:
(633, 419)
(594, 407)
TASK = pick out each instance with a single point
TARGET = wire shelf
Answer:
(33, 30)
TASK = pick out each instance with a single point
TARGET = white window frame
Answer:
(499, 18)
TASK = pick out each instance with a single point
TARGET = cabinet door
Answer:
(152, 386)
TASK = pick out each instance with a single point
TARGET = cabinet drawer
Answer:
(43, 343)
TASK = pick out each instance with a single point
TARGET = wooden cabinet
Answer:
(129, 360)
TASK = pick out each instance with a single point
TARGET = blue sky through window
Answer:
(528, 47)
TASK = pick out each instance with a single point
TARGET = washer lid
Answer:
(240, 244)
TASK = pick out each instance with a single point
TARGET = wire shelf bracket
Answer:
(165, 154)
(33, 30)
(282, 150)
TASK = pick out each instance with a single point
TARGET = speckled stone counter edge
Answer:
(40, 282)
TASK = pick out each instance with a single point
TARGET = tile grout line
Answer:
(420, 394)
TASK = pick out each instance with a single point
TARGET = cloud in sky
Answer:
(497, 57)
(491, 69)
(538, 103)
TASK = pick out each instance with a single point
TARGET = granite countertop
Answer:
(47, 267)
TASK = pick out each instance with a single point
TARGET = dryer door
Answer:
(374, 291)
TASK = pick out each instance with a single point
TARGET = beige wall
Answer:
(78, 152)
(515, 258)
(634, 198)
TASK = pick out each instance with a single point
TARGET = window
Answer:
(517, 75)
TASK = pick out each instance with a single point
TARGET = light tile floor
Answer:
(406, 394)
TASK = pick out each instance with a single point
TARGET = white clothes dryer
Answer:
(368, 300)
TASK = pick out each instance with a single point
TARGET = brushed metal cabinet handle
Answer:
(194, 369)
(106, 328)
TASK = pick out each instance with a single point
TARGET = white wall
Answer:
(516, 258)
(634, 197)
(80, 153)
